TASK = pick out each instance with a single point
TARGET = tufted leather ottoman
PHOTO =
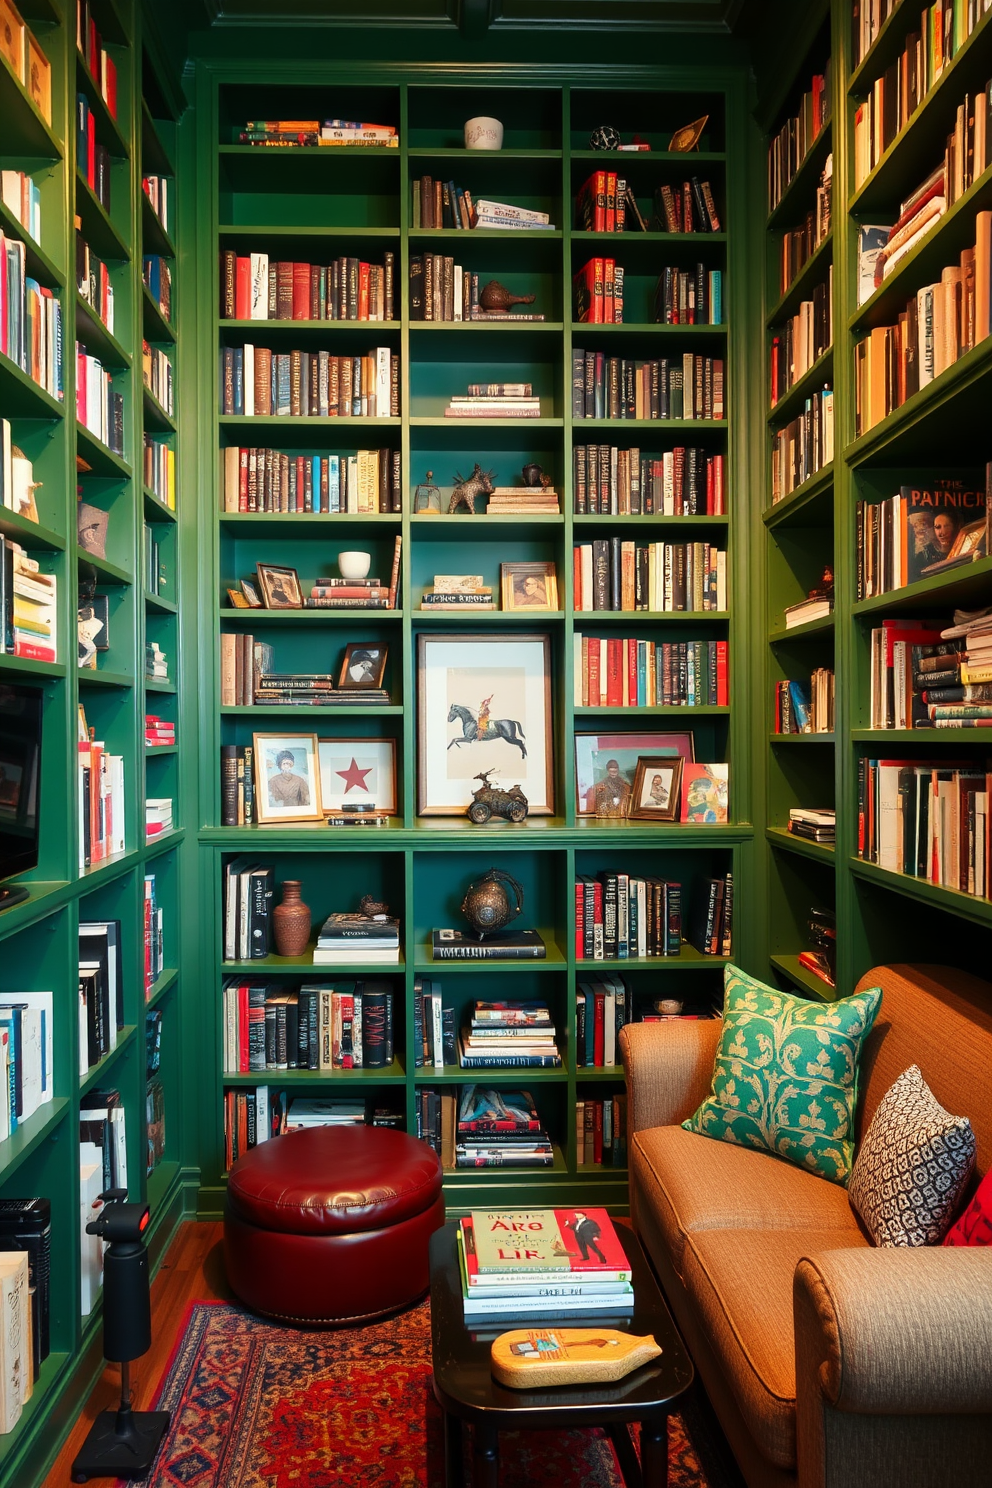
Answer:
(332, 1225)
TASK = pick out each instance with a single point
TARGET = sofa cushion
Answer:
(786, 1074)
(913, 1165)
(974, 1225)
(740, 1281)
(692, 1184)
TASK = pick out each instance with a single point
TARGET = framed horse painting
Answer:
(483, 703)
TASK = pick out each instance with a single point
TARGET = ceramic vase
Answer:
(483, 133)
(291, 921)
(354, 566)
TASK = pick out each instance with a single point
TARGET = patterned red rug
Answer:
(255, 1405)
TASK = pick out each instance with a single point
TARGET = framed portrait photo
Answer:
(657, 782)
(483, 703)
(364, 664)
(287, 777)
(606, 764)
(250, 591)
(280, 587)
(357, 772)
(529, 586)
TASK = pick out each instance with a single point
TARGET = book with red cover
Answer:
(528, 1244)
(588, 284)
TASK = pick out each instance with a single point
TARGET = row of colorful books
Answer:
(157, 278)
(932, 674)
(928, 819)
(21, 195)
(93, 283)
(28, 605)
(625, 672)
(923, 529)
(601, 1132)
(441, 289)
(256, 287)
(790, 146)
(99, 407)
(159, 469)
(156, 376)
(256, 381)
(800, 243)
(804, 445)
(31, 321)
(685, 387)
(611, 574)
(682, 482)
(101, 802)
(92, 156)
(806, 707)
(268, 480)
(896, 95)
(311, 132)
(621, 916)
(270, 1027)
(159, 189)
(25, 1300)
(802, 340)
(689, 296)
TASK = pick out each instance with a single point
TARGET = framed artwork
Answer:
(250, 591)
(280, 587)
(606, 764)
(483, 703)
(657, 781)
(705, 794)
(364, 664)
(287, 777)
(357, 772)
(529, 586)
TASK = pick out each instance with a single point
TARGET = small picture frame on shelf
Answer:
(657, 782)
(280, 587)
(357, 774)
(287, 777)
(606, 766)
(364, 664)
(251, 595)
(529, 586)
(237, 600)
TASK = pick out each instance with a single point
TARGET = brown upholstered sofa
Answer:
(829, 1362)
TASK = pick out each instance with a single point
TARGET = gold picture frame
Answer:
(528, 586)
(287, 778)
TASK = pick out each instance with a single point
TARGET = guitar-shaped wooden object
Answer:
(543, 1358)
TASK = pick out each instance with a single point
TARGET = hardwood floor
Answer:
(192, 1271)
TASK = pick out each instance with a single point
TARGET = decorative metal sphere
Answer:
(605, 138)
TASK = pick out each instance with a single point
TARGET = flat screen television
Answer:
(20, 784)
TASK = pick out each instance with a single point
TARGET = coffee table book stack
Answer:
(548, 1263)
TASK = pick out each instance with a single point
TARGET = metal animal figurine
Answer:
(464, 492)
(496, 728)
(490, 800)
(496, 299)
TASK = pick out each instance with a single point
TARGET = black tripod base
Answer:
(121, 1444)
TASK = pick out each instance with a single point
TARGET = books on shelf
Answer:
(619, 574)
(689, 296)
(602, 1008)
(28, 605)
(99, 61)
(257, 287)
(543, 1262)
(923, 678)
(156, 376)
(804, 445)
(505, 403)
(102, 1166)
(624, 672)
(532, 500)
(441, 289)
(100, 795)
(159, 469)
(927, 528)
(269, 480)
(251, 1117)
(894, 97)
(463, 592)
(30, 321)
(679, 387)
(158, 731)
(817, 607)
(601, 204)
(813, 825)
(493, 1043)
(519, 945)
(498, 1129)
(806, 707)
(789, 148)
(27, 60)
(347, 937)
(153, 939)
(598, 288)
(800, 243)
(803, 339)
(26, 1056)
(26, 1226)
(247, 890)
(620, 916)
(322, 1028)
(157, 278)
(158, 815)
(21, 195)
(686, 208)
(684, 481)
(821, 957)
(927, 819)
(101, 990)
(259, 382)
(16, 1369)
(156, 572)
(92, 156)
(333, 593)
(159, 191)
(310, 132)
(237, 785)
(93, 283)
(443, 204)
(156, 663)
(99, 407)
(306, 1112)
(601, 1132)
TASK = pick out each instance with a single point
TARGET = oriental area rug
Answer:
(255, 1405)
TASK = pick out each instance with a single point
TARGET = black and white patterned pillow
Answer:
(912, 1166)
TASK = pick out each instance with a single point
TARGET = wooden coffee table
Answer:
(467, 1391)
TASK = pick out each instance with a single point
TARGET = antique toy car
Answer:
(489, 800)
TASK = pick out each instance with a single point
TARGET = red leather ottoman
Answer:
(332, 1225)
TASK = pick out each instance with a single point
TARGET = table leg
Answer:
(630, 1468)
(654, 1452)
(486, 1457)
(453, 1462)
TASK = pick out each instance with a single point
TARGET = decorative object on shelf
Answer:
(687, 138)
(364, 665)
(280, 587)
(496, 299)
(91, 529)
(668, 1007)
(529, 586)
(373, 909)
(291, 921)
(22, 482)
(705, 794)
(287, 777)
(357, 775)
(491, 800)
(354, 566)
(657, 782)
(488, 906)
(457, 592)
(251, 594)
(533, 475)
(483, 133)
(595, 784)
(484, 702)
(548, 1358)
(93, 624)
(237, 600)
(427, 498)
(464, 492)
(604, 137)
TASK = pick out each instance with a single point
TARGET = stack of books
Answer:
(354, 937)
(295, 689)
(500, 1129)
(158, 731)
(496, 400)
(158, 815)
(572, 1263)
(520, 945)
(509, 1035)
(601, 1132)
(268, 133)
(348, 594)
(433, 1027)
(537, 500)
(457, 592)
(817, 607)
(156, 663)
(806, 707)
(309, 1111)
(255, 287)
(28, 603)
(815, 825)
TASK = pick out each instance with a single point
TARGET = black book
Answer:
(100, 941)
(455, 945)
(26, 1224)
(260, 890)
(376, 998)
(416, 287)
(257, 1028)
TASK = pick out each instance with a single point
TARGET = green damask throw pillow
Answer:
(786, 1074)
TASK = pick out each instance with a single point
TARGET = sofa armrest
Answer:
(668, 1067)
(895, 1332)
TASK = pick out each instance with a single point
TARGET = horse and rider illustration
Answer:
(478, 727)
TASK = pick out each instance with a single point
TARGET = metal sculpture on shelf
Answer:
(464, 492)
(488, 906)
(605, 137)
(491, 800)
(496, 299)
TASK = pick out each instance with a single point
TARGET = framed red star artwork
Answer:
(357, 777)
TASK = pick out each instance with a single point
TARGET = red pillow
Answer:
(974, 1226)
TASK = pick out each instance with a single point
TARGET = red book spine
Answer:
(614, 675)
(722, 675)
(301, 291)
(597, 911)
(597, 1133)
(609, 306)
(91, 152)
(580, 919)
(599, 1028)
(242, 289)
(632, 673)
(595, 685)
(243, 1029)
(363, 291)
(611, 201)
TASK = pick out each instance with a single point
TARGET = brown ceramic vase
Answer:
(291, 921)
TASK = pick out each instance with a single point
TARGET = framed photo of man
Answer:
(364, 664)
(657, 782)
(287, 778)
(606, 765)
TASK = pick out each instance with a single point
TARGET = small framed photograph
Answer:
(359, 775)
(706, 794)
(529, 586)
(287, 777)
(657, 781)
(237, 600)
(606, 765)
(364, 664)
(280, 587)
(251, 595)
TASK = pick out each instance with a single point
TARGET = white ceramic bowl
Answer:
(483, 134)
(354, 565)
